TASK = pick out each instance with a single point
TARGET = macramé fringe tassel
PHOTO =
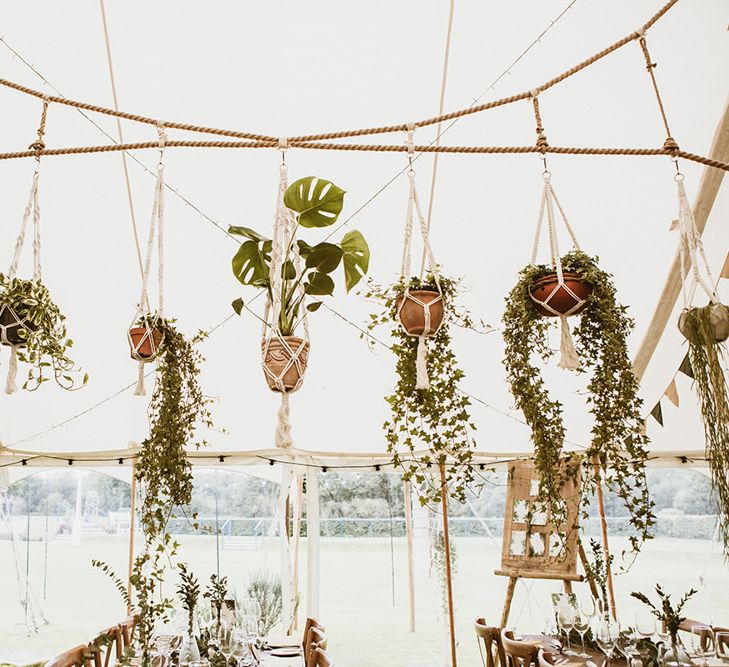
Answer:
(283, 428)
(10, 387)
(421, 365)
(568, 353)
(140, 389)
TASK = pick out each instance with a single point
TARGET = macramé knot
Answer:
(37, 146)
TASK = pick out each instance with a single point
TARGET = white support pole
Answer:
(297, 541)
(312, 542)
(411, 559)
(76, 530)
(287, 572)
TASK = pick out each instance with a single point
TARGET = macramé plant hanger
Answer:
(420, 311)
(31, 324)
(284, 355)
(706, 328)
(144, 334)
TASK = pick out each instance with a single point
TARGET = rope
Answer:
(272, 141)
(670, 143)
(379, 148)
(441, 106)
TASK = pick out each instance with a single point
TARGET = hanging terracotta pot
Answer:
(144, 343)
(412, 311)
(11, 325)
(277, 360)
(718, 322)
(561, 300)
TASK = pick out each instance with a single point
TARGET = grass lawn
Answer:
(364, 627)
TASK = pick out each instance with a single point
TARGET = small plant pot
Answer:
(718, 323)
(144, 343)
(11, 326)
(277, 360)
(562, 301)
(412, 312)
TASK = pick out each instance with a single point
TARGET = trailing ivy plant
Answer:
(316, 204)
(708, 360)
(436, 419)
(177, 408)
(596, 569)
(45, 342)
(619, 443)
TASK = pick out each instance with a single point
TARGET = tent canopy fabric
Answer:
(484, 212)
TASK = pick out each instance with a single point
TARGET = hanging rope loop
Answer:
(542, 142)
(39, 145)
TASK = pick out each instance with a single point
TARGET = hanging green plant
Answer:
(435, 419)
(177, 408)
(34, 327)
(618, 439)
(708, 361)
(290, 270)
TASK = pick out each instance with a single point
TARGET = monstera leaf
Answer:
(324, 257)
(249, 264)
(248, 233)
(320, 284)
(356, 257)
(317, 201)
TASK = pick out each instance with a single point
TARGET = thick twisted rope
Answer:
(400, 127)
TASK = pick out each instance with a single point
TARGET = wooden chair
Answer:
(72, 658)
(316, 639)
(310, 623)
(546, 658)
(489, 638)
(109, 642)
(518, 654)
(322, 658)
(127, 631)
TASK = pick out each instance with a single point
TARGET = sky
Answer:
(291, 68)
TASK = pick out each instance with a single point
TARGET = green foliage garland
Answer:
(437, 418)
(708, 360)
(46, 342)
(618, 442)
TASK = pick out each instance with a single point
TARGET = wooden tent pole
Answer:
(605, 544)
(449, 579)
(132, 522)
(411, 563)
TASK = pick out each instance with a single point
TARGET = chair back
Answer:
(546, 659)
(310, 623)
(75, 657)
(489, 644)
(322, 658)
(518, 654)
(106, 645)
(127, 631)
(317, 639)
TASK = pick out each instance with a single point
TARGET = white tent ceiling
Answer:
(284, 68)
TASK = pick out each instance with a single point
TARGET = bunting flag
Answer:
(671, 392)
(725, 269)
(657, 413)
(685, 367)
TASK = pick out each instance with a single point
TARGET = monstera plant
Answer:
(316, 203)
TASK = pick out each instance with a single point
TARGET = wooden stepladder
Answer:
(533, 546)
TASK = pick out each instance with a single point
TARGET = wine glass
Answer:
(645, 624)
(588, 607)
(163, 645)
(581, 624)
(606, 636)
(225, 643)
(240, 650)
(721, 641)
(566, 621)
(702, 642)
(627, 643)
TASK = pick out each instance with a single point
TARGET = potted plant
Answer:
(671, 619)
(437, 418)
(145, 339)
(32, 325)
(306, 270)
(705, 330)
(619, 444)
(217, 592)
